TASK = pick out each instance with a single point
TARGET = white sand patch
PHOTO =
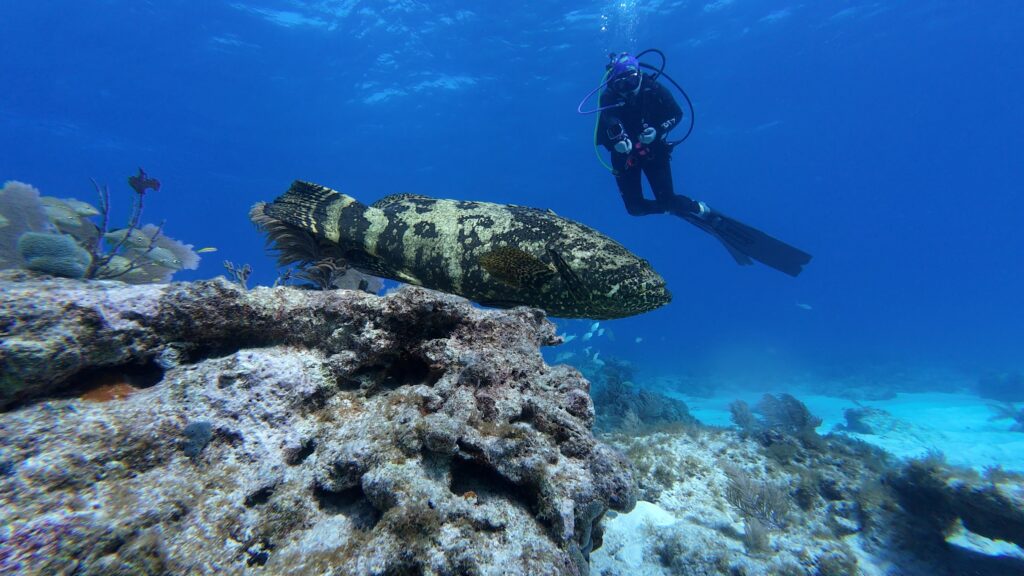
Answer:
(626, 539)
(958, 425)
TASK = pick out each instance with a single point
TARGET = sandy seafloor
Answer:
(958, 425)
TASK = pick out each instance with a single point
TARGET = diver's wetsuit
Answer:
(653, 106)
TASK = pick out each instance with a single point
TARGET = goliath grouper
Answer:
(496, 254)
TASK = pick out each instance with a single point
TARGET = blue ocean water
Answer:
(882, 137)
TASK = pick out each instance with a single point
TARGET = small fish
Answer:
(566, 338)
(594, 326)
(600, 332)
(588, 336)
(3, 221)
(81, 208)
(206, 250)
(117, 266)
(165, 258)
(138, 239)
(639, 339)
(804, 306)
(562, 357)
(60, 213)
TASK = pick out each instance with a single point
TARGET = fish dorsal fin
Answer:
(395, 198)
(569, 277)
(516, 267)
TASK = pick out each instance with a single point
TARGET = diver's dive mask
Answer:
(626, 83)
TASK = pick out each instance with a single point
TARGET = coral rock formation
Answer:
(199, 428)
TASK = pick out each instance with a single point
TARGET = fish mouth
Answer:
(654, 300)
(666, 297)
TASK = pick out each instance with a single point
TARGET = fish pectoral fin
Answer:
(569, 277)
(408, 278)
(516, 267)
(374, 266)
(369, 264)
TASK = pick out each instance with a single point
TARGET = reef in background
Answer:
(776, 498)
(200, 428)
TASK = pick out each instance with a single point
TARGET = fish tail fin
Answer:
(316, 209)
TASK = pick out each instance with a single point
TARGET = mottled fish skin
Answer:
(568, 269)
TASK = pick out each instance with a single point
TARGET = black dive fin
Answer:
(740, 258)
(745, 242)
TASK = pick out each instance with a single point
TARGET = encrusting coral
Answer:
(288, 431)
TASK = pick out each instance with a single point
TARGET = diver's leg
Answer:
(631, 189)
(659, 175)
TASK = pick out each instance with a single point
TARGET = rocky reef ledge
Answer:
(198, 428)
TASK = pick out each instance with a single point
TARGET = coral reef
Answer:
(21, 211)
(238, 273)
(622, 406)
(1007, 411)
(780, 423)
(721, 502)
(57, 254)
(943, 500)
(61, 238)
(719, 505)
(287, 431)
(864, 420)
(1003, 386)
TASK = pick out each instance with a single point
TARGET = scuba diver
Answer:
(635, 115)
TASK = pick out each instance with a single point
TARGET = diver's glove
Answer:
(648, 135)
(624, 146)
